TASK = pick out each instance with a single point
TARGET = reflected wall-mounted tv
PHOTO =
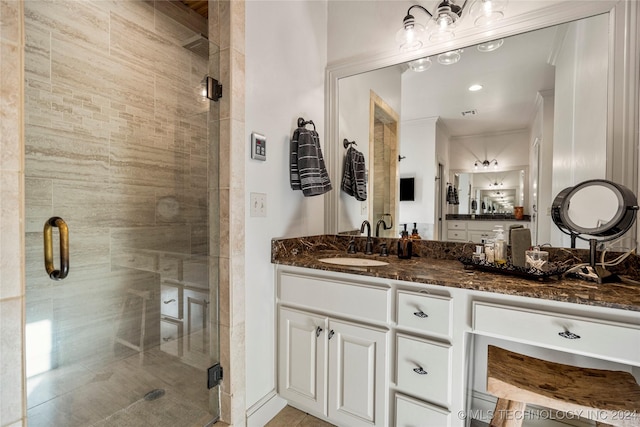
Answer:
(407, 189)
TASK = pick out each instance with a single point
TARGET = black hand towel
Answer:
(354, 181)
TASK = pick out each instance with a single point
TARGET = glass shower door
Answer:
(118, 145)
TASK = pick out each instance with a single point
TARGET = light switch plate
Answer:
(258, 206)
(258, 146)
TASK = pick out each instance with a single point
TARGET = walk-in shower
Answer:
(122, 149)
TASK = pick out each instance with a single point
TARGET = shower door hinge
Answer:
(213, 89)
(214, 376)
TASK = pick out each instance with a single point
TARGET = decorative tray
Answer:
(554, 269)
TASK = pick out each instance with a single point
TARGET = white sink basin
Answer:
(354, 262)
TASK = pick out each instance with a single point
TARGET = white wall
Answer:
(354, 125)
(542, 132)
(285, 62)
(580, 127)
(418, 146)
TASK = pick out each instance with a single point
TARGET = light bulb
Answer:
(420, 65)
(490, 46)
(450, 57)
(487, 12)
(410, 36)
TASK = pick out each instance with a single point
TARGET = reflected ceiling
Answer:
(511, 77)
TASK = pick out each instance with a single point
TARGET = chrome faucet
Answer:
(384, 226)
(368, 248)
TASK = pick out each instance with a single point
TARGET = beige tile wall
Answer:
(228, 19)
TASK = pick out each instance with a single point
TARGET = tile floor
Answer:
(292, 417)
(113, 395)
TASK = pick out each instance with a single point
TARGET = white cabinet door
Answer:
(357, 374)
(302, 358)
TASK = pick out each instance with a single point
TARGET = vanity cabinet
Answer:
(615, 341)
(330, 362)
(361, 351)
(423, 355)
(477, 231)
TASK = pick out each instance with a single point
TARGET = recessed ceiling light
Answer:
(475, 88)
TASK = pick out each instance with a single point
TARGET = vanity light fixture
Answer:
(487, 12)
(490, 46)
(420, 65)
(485, 164)
(440, 26)
(443, 21)
(450, 57)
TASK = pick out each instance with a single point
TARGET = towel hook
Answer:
(346, 143)
(302, 123)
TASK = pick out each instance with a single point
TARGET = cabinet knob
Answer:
(330, 333)
(569, 335)
(421, 314)
(419, 371)
(318, 331)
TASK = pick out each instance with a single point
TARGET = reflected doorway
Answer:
(383, 149)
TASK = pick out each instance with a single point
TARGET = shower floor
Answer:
(114, 395)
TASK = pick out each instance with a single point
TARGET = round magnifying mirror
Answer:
(595, 208)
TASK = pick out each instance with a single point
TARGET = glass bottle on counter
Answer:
(500, 246)
(414, 233)
(404, 245)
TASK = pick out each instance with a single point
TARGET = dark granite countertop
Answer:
(437, 264)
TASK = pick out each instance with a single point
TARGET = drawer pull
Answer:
(169, 301)
(569, 335)
(421, 314)
(318, 331)
(330, 333)
(419, 371)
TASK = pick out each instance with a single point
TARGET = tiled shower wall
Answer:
(228, 20)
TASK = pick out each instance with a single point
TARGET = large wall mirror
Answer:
(551, 113)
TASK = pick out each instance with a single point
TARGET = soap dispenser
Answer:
(500, 246)
(414, 233)
(404, 245)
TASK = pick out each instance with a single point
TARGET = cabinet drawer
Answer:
(427, 313)
(456, 235)
(480, 236)
(354, 300)
(424, 369)
(591, 337)
(411, 412)
(171, 301)
(456, 225)
(171, 332)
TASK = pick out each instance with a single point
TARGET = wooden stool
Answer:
(608, 397)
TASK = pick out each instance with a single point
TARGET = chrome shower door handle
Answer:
(48, 248)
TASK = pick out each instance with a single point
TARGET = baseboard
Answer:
(265, 409)
(483, 404)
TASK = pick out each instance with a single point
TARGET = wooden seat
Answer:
(608, 397)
